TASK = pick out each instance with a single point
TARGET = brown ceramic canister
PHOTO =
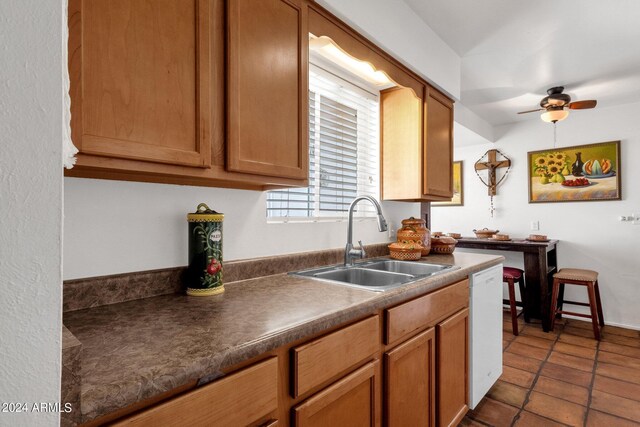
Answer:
(414, 230)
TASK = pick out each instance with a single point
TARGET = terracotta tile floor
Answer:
(564, 378)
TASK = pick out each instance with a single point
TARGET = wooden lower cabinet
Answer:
(410, 380)
(352, 401)
(452, 367)
(243, 398)
(336, 378)
(333, 355)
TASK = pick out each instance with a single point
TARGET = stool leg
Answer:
(554, 303)
(592, 306)
(522, 291)
(599, 303)
(512, 305)
(560, 303)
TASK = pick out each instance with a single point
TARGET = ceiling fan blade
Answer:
(531, 111)
(583, 105)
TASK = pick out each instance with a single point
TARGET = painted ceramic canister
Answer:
(204, 274)
(414, 230)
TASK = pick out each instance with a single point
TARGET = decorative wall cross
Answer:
(492, 164)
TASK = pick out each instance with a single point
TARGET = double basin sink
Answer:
(376, 275)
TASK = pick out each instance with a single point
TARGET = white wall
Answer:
(117, 226)
(30, 207)
(589, 232)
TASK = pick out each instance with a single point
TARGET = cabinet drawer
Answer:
(241, 398)
(330, 355)
(404, 319)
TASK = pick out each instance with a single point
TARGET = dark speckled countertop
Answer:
(138, 349)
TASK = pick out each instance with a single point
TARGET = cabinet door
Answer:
(452, 344)
(267, 117)
(438, 146)
(410, 382)
(401, 113)
(352, 401)
(140, 79)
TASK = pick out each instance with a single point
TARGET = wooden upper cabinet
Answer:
(417, 144)
(401, 132)
(140, 80)
(150, 100)
(452, 367)
(438, 145)
(267, 116)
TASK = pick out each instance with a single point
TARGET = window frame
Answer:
(361, 88)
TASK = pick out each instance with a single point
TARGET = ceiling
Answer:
(513, 50)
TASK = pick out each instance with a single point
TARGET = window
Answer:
(343, 153)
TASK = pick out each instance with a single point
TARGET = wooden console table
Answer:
(540, 262)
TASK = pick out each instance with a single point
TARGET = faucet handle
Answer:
(362, 251)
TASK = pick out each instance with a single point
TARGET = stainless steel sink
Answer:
(364, 277)
(376, 275)
(406, 267)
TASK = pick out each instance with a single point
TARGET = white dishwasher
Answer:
(485, 346)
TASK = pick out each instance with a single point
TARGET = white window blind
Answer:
(343, 153)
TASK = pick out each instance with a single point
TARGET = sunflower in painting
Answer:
(541, 161)
(549, 166)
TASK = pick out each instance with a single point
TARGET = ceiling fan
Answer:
(556, 104)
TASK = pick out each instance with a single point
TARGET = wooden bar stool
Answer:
(510, 275)
(576, 276)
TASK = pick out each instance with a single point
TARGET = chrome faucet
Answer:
(349, 252)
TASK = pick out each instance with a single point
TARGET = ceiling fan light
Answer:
(553, 116)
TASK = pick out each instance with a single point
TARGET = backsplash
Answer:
(79, 294)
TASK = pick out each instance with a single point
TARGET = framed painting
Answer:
(581, 173)
(457, 199)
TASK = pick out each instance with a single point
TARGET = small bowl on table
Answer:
(485, 233)
(537, 237)
(454, 235)
(501, 237)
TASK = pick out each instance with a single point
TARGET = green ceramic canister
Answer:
(204, 274)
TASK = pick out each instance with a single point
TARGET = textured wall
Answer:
(591, 236)
(30, 206)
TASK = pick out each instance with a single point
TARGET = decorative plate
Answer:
(575, 186)
(606, 175)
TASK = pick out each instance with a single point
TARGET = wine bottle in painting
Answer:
(576, 167)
